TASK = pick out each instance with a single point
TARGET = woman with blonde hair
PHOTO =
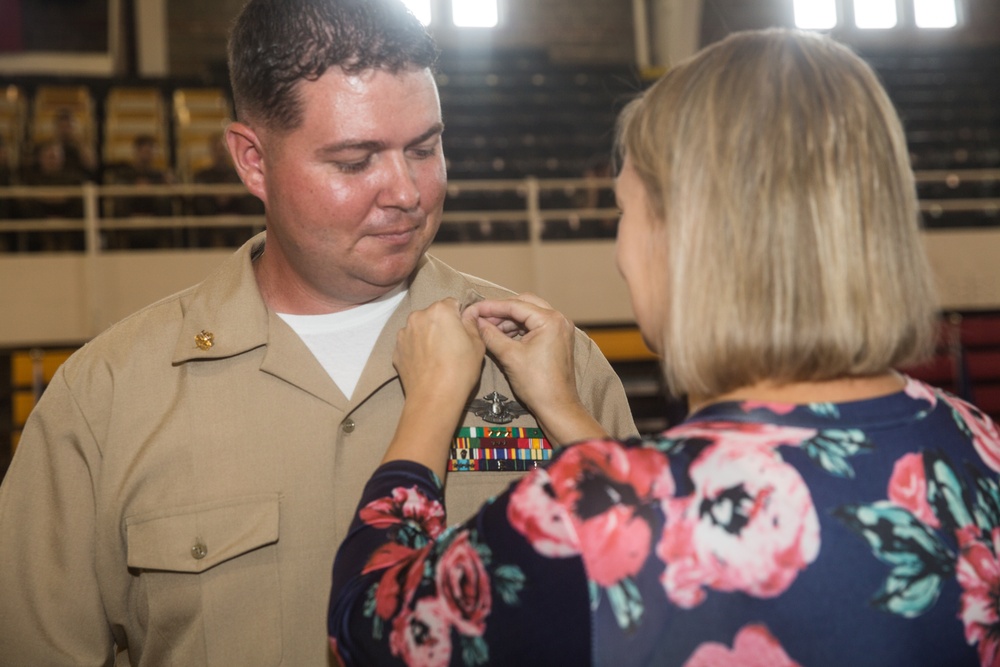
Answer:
(816, 507)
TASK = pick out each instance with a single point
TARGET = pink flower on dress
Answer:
(908, 488)
(405, 506)
(920, 391)
(464, 584)
(591, 504)
(422, 636)
(535, 513)
(978, 573)
(749, 526)
(985, 436)
(753, 646)
(338, 660)
(400, 580)
(776, 408)
(403, 564)
(740, 433)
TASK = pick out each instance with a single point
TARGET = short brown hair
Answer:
(779, 167)
(276, 44)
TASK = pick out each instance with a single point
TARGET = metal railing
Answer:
(532, 212)
(97, 218)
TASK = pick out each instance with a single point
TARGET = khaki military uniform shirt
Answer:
(180, 490)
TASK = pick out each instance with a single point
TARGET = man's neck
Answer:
(841, 390)
(285, 292)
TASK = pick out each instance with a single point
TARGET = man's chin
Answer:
(395, 270)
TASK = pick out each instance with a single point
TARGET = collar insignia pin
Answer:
(204, 340)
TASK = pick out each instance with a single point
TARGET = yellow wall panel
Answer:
(23, 367)
(23, 402)
(621, 344)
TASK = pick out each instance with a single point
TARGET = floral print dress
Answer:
(860, 533)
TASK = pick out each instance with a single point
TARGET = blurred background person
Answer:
(77, 154)
(144, 169)
(6, 204)
(48, 168)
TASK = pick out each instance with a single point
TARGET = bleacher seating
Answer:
(130, 112)
(199, 116)
(949, 103)
(512, 115)
(950, 107)
(50, 101)
(13, 123)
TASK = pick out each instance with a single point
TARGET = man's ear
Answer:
(248, 158)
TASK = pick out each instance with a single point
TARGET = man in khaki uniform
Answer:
(181, 488)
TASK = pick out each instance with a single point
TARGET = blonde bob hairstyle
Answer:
(779, 169)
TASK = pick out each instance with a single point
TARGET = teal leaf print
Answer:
(668, 445)
(987, 505)
(368, 609)
(508, 581)
(830, 449)
(474, 650)
(828, 410)
(918, 557)
(956, 415)
(594, 593)
(369, 605)
(626, 603)
(481, 548)
(435, 480)
(411, 535)
(444, 540)
(947, 494)
(908, 591)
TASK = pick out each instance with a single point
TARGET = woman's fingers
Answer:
(497, 340)
(438, 345)
(517, 315)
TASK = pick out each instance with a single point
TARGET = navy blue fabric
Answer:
(862, 533)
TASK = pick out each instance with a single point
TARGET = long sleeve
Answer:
(408, 591)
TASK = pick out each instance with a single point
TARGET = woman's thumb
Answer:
(495, 340)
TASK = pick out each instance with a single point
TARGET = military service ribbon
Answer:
(498, 448)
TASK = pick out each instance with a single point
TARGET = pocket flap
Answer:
(198, 537)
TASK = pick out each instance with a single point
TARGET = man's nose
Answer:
(400, 189)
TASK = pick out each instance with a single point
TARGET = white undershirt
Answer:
(343, 341)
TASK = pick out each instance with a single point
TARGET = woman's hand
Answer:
(439, 351)
(439, 357)
(534, 345)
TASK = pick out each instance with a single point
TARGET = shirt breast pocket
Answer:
(209, 574)
(466, 492)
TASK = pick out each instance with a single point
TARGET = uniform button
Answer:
(199, 550)
(347, 425)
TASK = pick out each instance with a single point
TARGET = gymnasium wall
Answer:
(597, 31)
(980, 25)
